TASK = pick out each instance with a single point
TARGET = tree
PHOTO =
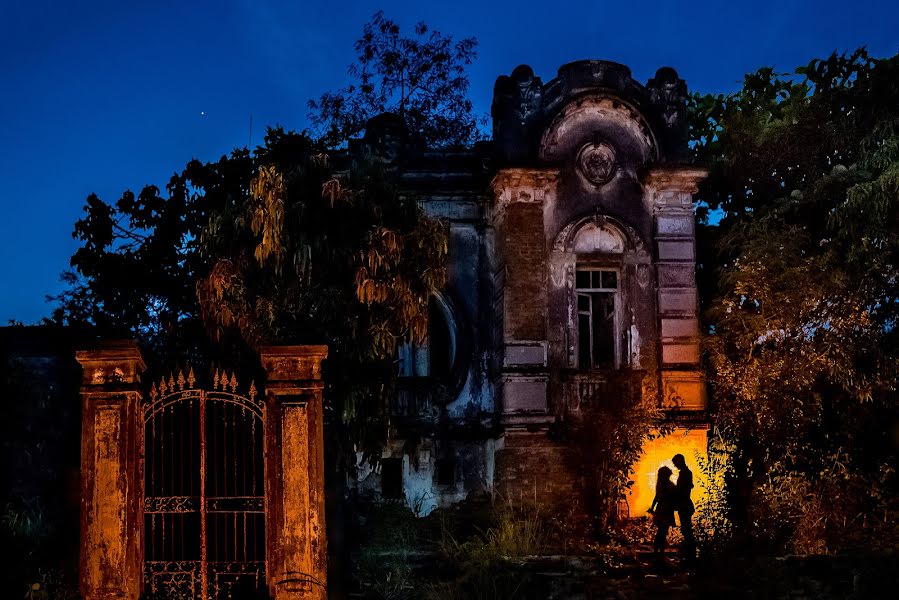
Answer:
(308, 256)
(609, 439)
(135, 273)
(801, 295)
(269, 247)
(39, 450)
(272, 247)
(421, 78)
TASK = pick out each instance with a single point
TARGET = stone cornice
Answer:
(522, 185)
(112, 362)
(293, 363)
(675, 179)
(516, 177)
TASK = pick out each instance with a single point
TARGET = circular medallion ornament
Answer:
(596, 162)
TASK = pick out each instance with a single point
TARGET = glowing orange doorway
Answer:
(691, 442)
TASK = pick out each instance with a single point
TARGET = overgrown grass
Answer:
(478, 563)
(465, 557)
(385, 557)
(512, 535)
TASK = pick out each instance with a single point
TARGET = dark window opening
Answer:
(436, 355)
(596, 296)
(596, 280)
(392, 478)
(439, 342)
(446, 471)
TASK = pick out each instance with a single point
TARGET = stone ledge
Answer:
(293, 363)
(111, 362)
(681, 179)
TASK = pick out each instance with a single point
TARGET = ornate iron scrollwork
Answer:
(171, 504)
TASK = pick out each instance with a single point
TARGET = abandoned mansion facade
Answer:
(571, 286)
(570, 306)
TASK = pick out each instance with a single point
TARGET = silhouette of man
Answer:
(683, 504)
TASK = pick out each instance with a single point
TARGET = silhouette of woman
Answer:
(662, 509)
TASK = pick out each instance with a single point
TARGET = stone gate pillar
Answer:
(296, 541)
(111, 485)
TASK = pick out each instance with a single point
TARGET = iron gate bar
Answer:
(235, 511)
(204, 578)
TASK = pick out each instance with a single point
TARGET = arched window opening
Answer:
(436, 356)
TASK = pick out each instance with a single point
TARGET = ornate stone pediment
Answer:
(598, 237)
(598, 233)
(583, 129)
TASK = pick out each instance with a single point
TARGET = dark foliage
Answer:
(800, 287)
(421, 78)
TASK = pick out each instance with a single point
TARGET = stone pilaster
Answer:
(521, 284)
(671, 191)
(111, 482)
(296, 541)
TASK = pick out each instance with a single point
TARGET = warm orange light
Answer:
(692, 443)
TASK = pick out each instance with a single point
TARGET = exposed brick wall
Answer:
(534, 471)
(524, 254)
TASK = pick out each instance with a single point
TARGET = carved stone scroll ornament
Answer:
(644, 276)
(517, 99)
(517, 111)
(670, 91)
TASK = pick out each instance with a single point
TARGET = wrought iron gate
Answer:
(204, 508)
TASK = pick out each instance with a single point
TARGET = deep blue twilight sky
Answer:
(105, 96)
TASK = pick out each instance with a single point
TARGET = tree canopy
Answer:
(268, 247)
(800, 286)
(310, 256)
(421, 78)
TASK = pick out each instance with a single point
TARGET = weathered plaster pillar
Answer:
(521, 284)
(296, 540)
(671, 192)
(111, 482)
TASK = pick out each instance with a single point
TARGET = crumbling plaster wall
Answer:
(473, 466)
(592, 147)
(469, 294)
(577, 201)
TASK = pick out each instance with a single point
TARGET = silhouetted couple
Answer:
(671, 497)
